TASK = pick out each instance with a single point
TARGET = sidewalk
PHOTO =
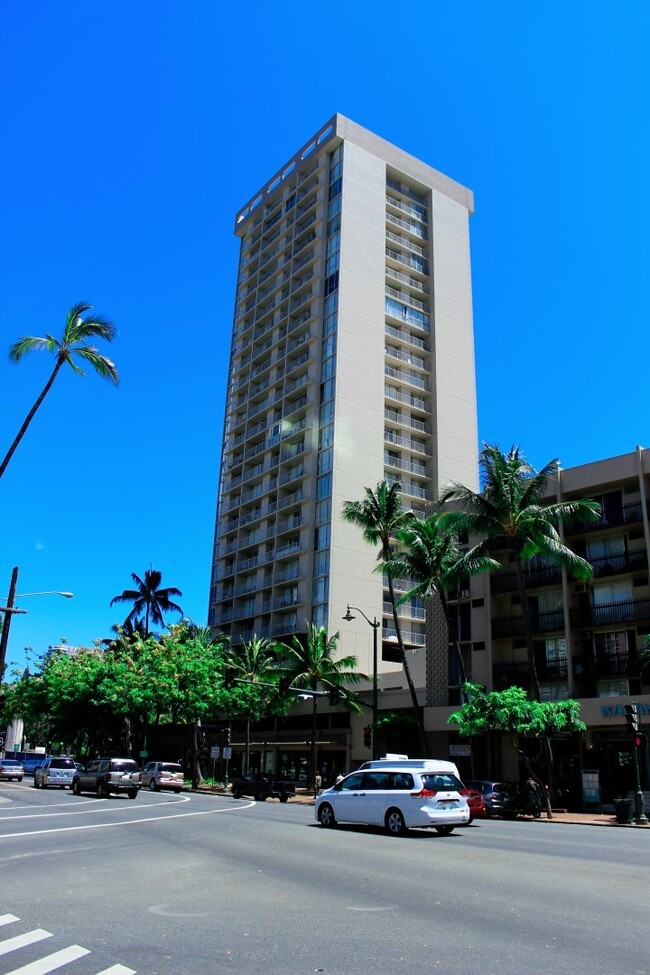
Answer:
(306, 798)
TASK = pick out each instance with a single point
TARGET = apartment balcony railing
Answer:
(627, 514)
(517, 674)
(412, 360)
(408, 225)
(403, 336)
(603, 665)
(287, 575)
(409, 638)
(405, 242)
(414, 445)
(540, 623)
(404, 297)
(546, 575)
(409, 399)
(404, 464)
(608, 565)
(405, 190)
(607, 614)
(406, 279)
(405, 377)
(405, 313)
(405, 420)
(411, 209)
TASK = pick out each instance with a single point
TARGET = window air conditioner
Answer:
(581, 587)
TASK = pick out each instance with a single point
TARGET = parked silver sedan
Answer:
(163, 775)
(54, 771)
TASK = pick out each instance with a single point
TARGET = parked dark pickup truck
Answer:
(262, 787)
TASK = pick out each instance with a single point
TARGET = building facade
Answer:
(590, 638)
(352, 361)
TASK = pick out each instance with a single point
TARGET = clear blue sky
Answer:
(130, 134)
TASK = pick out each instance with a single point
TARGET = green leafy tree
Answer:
(513, 712)
(511, 515)
(149, 599)
(431, 559)
(380, 516)
(74, 349)
(312, 661)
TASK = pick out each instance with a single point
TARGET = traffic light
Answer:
(284, 685)
(632, 717)
(367, 736)
(335, 695)
(226, 737)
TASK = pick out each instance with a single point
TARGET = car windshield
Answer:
(441, 781)
(62, 763)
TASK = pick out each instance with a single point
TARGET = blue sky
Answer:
(130, 133)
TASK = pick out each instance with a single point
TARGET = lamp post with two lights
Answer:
(375, 624)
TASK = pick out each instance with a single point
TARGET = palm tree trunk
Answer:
(452, 638)
(533, 680)
(407, 672)
(30, 416)
(312, 760)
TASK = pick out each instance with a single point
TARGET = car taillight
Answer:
(463, 792)
(423, 794)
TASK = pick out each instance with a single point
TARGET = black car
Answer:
(501, 798)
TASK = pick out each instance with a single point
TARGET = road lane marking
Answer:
(51, 962)
(70, 811)
(8, 919)
(22, 940)
(126, 822)
(115, 970)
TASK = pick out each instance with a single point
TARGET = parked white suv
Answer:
(398, 796)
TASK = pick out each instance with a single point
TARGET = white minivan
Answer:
(398, 795)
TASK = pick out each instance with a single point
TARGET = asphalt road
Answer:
(204, 885)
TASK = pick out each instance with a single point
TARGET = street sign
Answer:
(144, 754)
(215, 751)
(16, 746)
(227, 752)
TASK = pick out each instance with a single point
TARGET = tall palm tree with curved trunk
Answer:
(72, 349)
(312, 661)
(149, 598)
(510, 513)
(433, 562)
(380, 516)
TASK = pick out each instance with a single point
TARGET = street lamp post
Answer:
(375, 624)
(10, 609)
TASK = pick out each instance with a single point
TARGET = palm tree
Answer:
(380, 516)
(511, 515)
(310, 662)
(72, 347)
(149, 599)
(255, 662)
(432, 560)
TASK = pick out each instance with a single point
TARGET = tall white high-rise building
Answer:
(352, 361)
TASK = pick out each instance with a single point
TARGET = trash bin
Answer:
(623, 810)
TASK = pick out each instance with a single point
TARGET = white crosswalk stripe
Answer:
(21, 940)
(52, 962)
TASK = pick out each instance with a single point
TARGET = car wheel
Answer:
(444, 830)
(395, 822)
(76, 789)
(326, 815)
(284, 798)
(236, 794)
(178, 791)
(102, 791)
(152, 785)
(35, 784)
(261, 796)
(470, 820)
(132, 793)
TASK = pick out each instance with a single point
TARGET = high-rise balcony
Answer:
(508, 626)
(609, 614)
